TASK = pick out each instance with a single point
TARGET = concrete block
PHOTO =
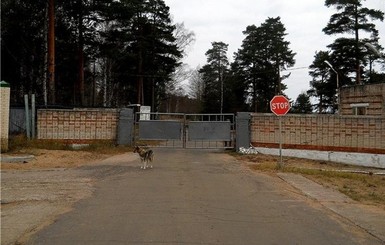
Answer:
(358, 159)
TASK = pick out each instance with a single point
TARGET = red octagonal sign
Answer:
(279, 105)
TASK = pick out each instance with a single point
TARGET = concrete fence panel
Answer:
(320, 132)
(78, 124)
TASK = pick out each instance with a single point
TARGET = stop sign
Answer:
(279, 105)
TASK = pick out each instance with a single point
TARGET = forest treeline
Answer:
(111, 53)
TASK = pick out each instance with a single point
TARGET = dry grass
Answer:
(364, 188)
(20, 143)
(57, 154)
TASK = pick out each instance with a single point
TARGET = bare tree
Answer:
(196, 85)
(184, 40)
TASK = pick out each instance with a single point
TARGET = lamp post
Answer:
(374, 50)
(338, 82)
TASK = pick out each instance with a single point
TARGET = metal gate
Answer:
(185, 130)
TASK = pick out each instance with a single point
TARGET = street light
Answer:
(374, 50)
(338, 82)
(331, 67)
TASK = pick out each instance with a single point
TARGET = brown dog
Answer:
(146, 156)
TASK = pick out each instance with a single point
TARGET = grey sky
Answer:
(225, 20)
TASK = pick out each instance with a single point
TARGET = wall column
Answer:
(242, 130)
(125, 127)
(5, 92)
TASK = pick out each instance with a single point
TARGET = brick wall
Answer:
(78, 124)
(320, 132)
(371, 94)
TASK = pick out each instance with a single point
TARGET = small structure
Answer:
(5, 92)
(364, 100)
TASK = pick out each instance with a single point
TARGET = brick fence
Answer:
(78, 124)
(320, 132)
(312, 132)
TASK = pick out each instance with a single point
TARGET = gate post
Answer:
(242, 130)
(125, 127)
(5, 92)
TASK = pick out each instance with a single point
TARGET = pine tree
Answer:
(214, 75)
(353, 18)
(118, 52)
(302, 104)
(23, 47)
(264, 53)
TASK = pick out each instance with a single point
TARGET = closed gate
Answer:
(185, 130)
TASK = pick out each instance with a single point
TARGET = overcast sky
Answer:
(225, 20)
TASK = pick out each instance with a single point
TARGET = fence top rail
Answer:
(208, 122)
(160, 113)
(210, 117)
(159, 121)
(183, 116)
(211, 114)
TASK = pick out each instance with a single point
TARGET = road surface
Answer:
(196, 197)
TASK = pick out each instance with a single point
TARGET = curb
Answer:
(16, 159)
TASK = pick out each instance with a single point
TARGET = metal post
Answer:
(338, 85)
(27, 119)
(184, 132)
(280, 163)
(33, 114)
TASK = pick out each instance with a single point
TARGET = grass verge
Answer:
(364, 188)
(20, 143)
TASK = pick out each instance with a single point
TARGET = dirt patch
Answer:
(36, 191)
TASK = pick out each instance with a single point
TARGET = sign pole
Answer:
(280, 143)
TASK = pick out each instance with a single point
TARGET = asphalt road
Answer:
(196, 197)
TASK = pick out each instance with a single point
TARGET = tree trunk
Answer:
(140, 92)
(81, 54)
(51, 52)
